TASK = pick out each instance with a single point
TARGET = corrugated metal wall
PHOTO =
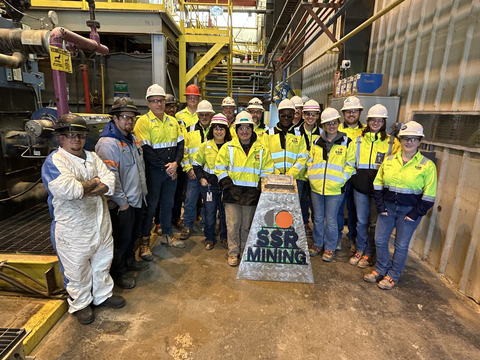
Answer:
(429, 50)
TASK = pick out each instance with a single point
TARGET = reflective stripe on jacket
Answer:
(328, 172)
(187, 117)
(289, 151)
(196, 135)
(413, 184)
(309, 137)
(244, 171)
(162, 140)
(204, 162)
(370, 152)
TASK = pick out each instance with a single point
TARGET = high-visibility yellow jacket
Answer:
(187, 117)
(328, 171)
(196, 135)
(413, 184)
(309, 137)
(239, 174)
(289, 151)
(352, 133)
(370, 152)
(162, 140)
(204, 161)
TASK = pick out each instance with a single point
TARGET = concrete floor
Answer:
(189, 305)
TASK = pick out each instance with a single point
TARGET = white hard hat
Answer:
(329, 114)
(297, 100)
(305, 98)
(255, 103)
(228, 101)
(155, 90)
(352, 102)
(219, 119)
(311, 105)
(411, 128)
(286, 104)
(204, 106)
(378, 110)
(243, 117)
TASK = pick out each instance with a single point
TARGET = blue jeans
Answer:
(191, 197)
(366, 221)
(210, 208)
(161, 188)
(352, 214)
(326, 210)
(404, 231)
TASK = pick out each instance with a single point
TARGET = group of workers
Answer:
(101, 202)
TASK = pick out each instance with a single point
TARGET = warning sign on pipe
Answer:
(60, 59)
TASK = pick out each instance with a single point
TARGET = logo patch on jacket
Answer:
(257, 157)
(339, 151)
(295, 141)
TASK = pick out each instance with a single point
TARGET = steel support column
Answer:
(159, 60)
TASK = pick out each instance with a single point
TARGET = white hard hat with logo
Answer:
(297, 100)
(205, 106)
(286, 104)
(255, 103)
(411, 128)
(378, 111)
(352, 102)
(243, 117)
(155, 89)
(311, 105)
(329, 114)
(228, 101)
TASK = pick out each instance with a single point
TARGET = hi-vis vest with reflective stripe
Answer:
(292, 159)
(196, 135)
(158, 134)
(187, 117)
(242, 169)
(327, 173)
(351, 133)
(309, 139)
(206, 155)
(370, 153)
(417, 177)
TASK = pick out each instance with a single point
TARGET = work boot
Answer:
(224, 244)
(233, 260)
(386, 284)
(364, 262)
(355, 258)
(145, 252)
(327, 256)
(373, 277)
(125, 282)
(314, 250)
(158, 229)
(114, 302)
(134, 265)
(185, 234)
(85, 316)
(171, 240)
(208, 245)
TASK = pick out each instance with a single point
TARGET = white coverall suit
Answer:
(81, 230)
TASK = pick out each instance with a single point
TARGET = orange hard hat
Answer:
(192, 90)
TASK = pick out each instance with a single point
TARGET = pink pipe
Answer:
(57, 36)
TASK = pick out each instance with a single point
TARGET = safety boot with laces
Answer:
(171, 240)
(144, 251)
(373, 277)
(364, 262)
(355, 258)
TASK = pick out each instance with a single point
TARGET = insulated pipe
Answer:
(57, 36)
(346, 37)
(86, 90)
(15, 61)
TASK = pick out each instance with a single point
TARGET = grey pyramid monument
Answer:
(276, 249)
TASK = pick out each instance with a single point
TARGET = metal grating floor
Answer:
(27, 232)
(9, 338)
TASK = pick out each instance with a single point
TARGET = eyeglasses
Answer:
(409, 139)
(218, 128)
(255, 112)
(74, 135)
(244, 128)
(156, 101)
(309, 114)
(332, 123)
(204, 115)
(376, 121)
(126, 117)
(352, 111)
